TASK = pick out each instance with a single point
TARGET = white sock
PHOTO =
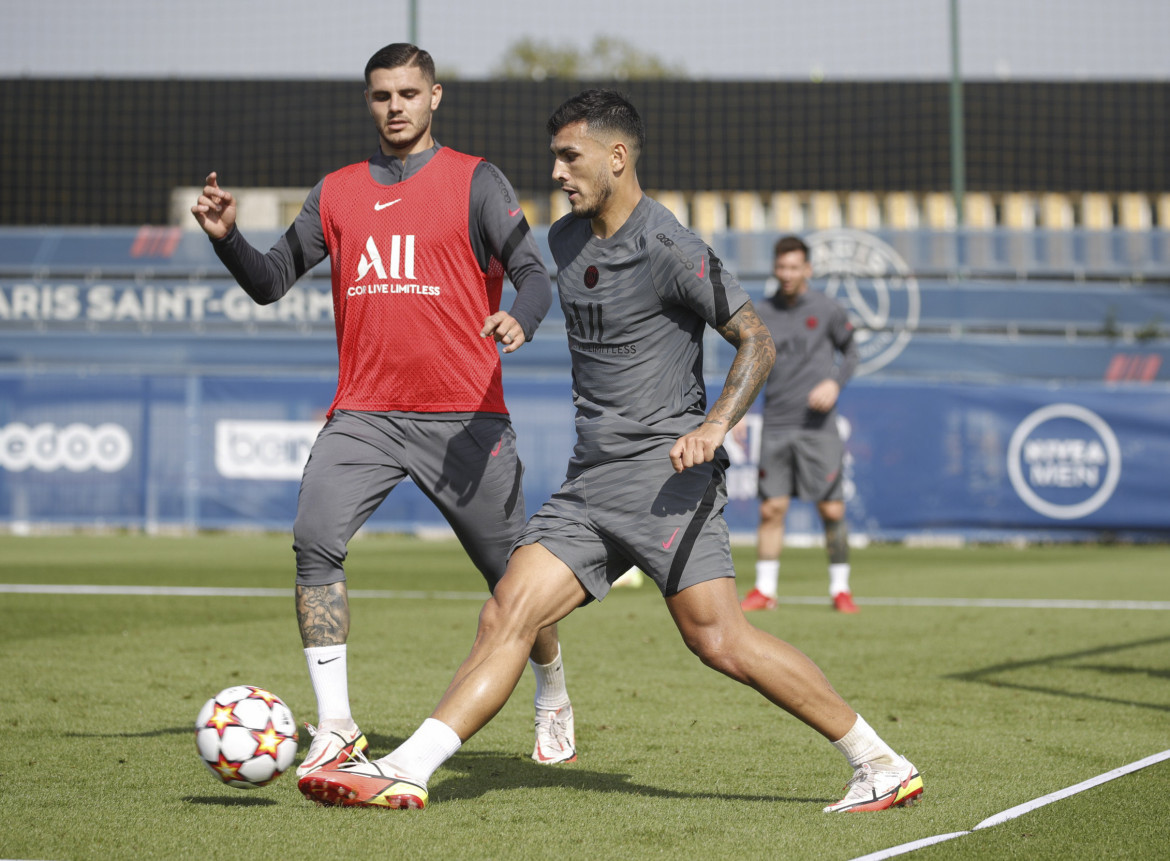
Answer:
(550, 684)
(419, 756)
(327, 672)
(862, 744)
(768, 576)
(838, 578)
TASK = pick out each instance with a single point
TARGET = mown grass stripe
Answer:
(234, 592)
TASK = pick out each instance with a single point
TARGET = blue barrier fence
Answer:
(139, 387)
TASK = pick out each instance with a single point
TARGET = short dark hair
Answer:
(786, 244)
(402, 54)
(601, 110)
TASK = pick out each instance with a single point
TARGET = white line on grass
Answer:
(1019, 809)
(239, 592)
(221, 592)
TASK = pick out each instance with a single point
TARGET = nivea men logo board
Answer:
(1064, 461)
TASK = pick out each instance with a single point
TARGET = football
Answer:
(246, 736)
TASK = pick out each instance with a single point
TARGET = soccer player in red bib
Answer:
(419, 239)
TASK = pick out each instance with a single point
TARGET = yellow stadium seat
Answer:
(824, 210)
(978, 211)
(785, 214)
(938, 209)
(1134, 212)
(862, 210)
(900, 210)
(1096, 211)
(1056, 211)
(708, 213)
(1019, 211)
(747, 211)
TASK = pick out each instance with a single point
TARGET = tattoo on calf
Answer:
(837, 541)
(323, 615)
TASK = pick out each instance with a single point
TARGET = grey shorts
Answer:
(468, 467)
(638, 512)
(802, 463)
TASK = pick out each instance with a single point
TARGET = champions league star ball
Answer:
(246, 736)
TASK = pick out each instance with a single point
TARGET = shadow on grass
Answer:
(487, 771)
(229, 801)
(988, 675)
(150, 733)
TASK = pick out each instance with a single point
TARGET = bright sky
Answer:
(745, 39)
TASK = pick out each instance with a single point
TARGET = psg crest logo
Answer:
(591, 277)
(877, 288)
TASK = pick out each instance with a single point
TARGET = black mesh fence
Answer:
(109, 151)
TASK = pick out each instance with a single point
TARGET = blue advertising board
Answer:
(1053, 461)
(227, 450)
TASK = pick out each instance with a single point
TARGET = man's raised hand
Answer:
(215, 210)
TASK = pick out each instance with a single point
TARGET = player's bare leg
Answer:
(837, 546)
(714, 628)
(770, 535)
(546, 647)
(769, 543)
(537, 591)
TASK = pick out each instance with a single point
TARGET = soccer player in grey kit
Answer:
(419, 238)
(801, 453)
(645, 485)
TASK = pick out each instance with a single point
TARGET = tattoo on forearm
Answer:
(323, 614)
(755, 351)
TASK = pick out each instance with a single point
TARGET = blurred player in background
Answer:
(420, 237)
(646, 481)
(801, 452)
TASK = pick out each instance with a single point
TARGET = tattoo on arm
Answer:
(323, 614)
(755, 351)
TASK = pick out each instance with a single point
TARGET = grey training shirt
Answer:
(636, 305)
(808, 335)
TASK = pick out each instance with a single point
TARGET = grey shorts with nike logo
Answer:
(467, 466)
(639, 512)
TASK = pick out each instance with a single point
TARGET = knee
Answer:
(832, 511)
(716, 650)
(491, 617)
(499, 621)
(774, 509)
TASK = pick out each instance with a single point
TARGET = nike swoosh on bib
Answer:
(378, 207)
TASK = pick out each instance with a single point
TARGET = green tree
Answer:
(608, 58)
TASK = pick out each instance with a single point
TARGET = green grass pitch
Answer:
(996, 705)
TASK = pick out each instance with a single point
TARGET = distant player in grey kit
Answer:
(419, 239)
(801, 451)
(645, 485)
